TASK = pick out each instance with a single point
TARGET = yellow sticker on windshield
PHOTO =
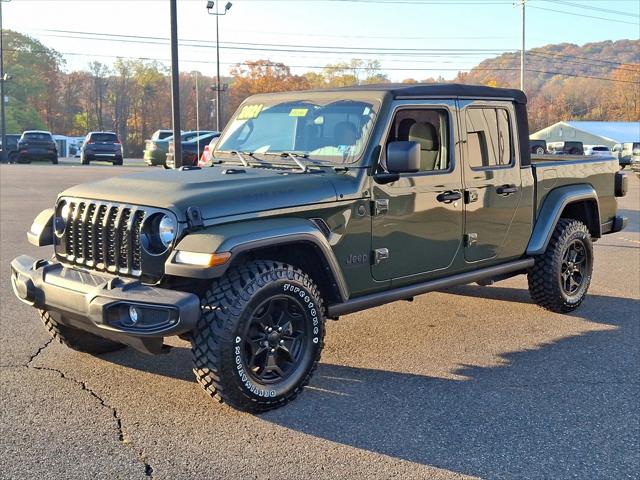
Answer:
(250, 111)
(298, 112)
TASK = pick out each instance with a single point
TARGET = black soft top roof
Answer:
(437, 90)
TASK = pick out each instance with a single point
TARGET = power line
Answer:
(583, 15)
(596, 9)
(319, 49)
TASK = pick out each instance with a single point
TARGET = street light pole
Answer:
(522, 4)
(3, 119)
(175, 86)
(210, 5)
(217, 70)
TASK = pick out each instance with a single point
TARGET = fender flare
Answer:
(549, 215)
(238, 238)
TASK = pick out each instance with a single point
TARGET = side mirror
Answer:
(403, 157)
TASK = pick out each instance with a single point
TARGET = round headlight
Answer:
(167, 230)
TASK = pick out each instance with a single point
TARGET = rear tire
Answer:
(77, 339)
(560, 277)
(260, 336)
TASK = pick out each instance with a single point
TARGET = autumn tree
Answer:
(261, 76)
(624, 101)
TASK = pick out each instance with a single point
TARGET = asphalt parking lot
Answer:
(472, 382)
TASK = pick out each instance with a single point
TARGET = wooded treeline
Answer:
(133, 97)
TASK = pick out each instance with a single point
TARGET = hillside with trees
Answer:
(598, 81)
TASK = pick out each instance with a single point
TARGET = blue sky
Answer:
(469, 30)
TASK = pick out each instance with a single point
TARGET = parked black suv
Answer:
(191, 150)
(36, 145)
(101, 146)
(12, 146)
(538, 147)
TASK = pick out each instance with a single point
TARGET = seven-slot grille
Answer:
(104, 236)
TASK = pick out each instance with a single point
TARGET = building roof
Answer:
(616, 131)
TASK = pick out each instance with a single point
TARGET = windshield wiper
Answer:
(295, 156)
(241, 157)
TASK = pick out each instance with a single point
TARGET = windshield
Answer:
(600, 149)
(334, 131)
(37, 136)
(104, 137)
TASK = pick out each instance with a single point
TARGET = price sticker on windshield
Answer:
(298, 112)
(250, 111)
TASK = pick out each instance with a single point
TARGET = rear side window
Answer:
(38, 136)
(104, 137)
(600, 149)
(488, 138)
(161, 134)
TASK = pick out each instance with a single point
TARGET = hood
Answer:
(217, 194)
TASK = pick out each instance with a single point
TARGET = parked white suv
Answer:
(598, 150)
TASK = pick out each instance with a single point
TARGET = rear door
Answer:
(493, 186)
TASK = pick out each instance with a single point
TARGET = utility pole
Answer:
(175, 86)
(198, 111)
(3, 119)
(522, 5)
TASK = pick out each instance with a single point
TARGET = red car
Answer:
(205, 158)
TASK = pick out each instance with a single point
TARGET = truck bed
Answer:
(553, 171)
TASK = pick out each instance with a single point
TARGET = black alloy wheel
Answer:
(574, 266)
(276, 339)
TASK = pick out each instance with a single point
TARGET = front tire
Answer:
(77, 339)
(260, 336)
(560, 277)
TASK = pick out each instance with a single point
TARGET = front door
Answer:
(493, 185)
(418, 220)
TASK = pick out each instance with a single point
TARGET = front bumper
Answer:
(100, 303)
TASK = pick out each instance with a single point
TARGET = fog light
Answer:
(134, 315)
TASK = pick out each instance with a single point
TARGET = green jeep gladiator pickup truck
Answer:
(318, 204)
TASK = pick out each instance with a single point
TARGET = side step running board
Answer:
(403, 293)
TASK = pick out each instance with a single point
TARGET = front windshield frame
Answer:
(371, 104)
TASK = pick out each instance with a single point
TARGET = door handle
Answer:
(506, 190)
(448, 197)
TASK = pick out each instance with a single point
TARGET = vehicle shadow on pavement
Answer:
(566, 409)
(633, 226)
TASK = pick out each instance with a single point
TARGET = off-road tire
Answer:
(545, 284)
(227, 313)
(77, 339)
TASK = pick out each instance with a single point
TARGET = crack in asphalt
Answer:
(148, 469)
